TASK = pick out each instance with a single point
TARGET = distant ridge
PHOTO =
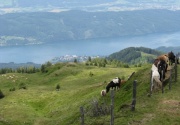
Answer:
(37, 28)
(134, 55)
(13, 65)
(91, 5)
(169, 49)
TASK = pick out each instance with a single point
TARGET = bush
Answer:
(91, 74)
(12, 89)
(96, 109)
(57, 87)
(126, 66)
(139, 65)
(123, 78)
(22, 86)
(1, 94)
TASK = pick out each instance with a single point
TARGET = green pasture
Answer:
(41, 104)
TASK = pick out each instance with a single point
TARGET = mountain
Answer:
(135, 55)
(42, 27)
(13, 65)
(169, 49)
(72, 58)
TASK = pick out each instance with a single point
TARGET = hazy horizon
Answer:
(12, 6)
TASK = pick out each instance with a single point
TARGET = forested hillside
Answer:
(135, 55)
(17, 65)
(41, 27)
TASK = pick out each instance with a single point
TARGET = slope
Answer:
(41, 104)
(80, 85)
(157, 109)
(134, 55)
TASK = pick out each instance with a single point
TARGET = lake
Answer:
(92, 47)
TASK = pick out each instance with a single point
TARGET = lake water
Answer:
(104, 46)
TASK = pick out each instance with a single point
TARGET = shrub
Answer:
(57, 87)
(126, 66)
(91, 74)
(123, 78)
(97, 108)
(12, 89)
(139, 65)
(22, 86)
(1, 94)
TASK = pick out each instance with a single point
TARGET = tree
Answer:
(48, 64)
(75, 60)
(43, 68)
(89, 59)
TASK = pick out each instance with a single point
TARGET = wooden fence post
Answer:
(170, 80)
(162, 80)
(82, 115)
(134, 96)
(112, 108)
(175, 69)
(151, 83)
(162, 86)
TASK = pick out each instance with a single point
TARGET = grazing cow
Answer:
(114, 84)
(103, 92)
(165, 59)
(171, 57)
(155, 74)
(162, 68)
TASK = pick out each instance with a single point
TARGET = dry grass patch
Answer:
(171, 107)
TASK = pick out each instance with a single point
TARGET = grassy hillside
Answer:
(135, 55)
(41, 104)
(157, 109)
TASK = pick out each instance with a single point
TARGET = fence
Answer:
(82, 121)
(112, 108)
(82, 115)
(173, 71)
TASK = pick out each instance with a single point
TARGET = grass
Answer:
(41, 104)
(155, 110)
